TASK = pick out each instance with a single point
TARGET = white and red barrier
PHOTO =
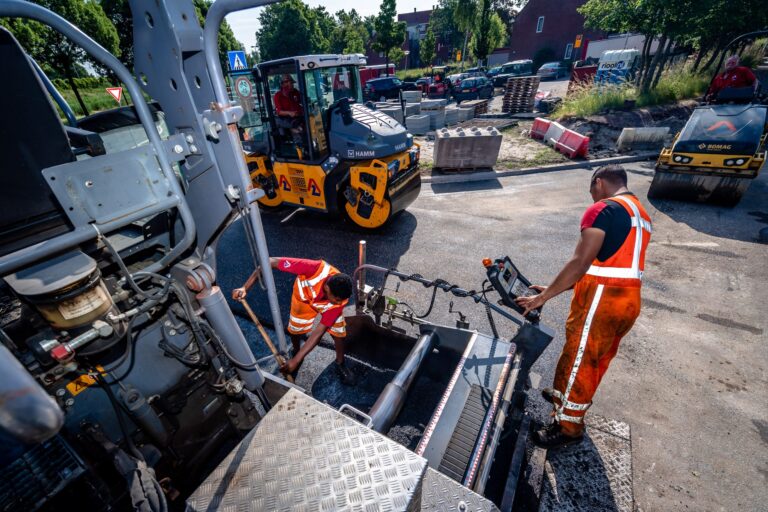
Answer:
(568, 142)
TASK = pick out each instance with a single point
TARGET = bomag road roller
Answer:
(719, 151)
(334, 154)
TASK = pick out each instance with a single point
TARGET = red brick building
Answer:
(550, 27)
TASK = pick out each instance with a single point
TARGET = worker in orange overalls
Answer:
(320, 290)
(605, 272)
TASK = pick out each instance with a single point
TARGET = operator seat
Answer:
(32, 138)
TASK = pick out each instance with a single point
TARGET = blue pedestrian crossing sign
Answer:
(237, 60)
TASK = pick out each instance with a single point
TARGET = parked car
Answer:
(553, 70)
(493, 72)
(480, 70)
(456, 78)
(472, 89)
(513, 69)
(383, 88)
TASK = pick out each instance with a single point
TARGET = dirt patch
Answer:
(517, 150)
(604, 129)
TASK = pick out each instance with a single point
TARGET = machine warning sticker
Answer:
(284, 184)
(82, 304)
(313, 188)
(80, 384)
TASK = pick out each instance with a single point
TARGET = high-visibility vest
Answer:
(626, 266)
(307, 289)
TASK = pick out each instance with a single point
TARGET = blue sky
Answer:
(245, 23)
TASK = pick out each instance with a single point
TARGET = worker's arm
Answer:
(240, 293)
(309, 345)
(586, 251)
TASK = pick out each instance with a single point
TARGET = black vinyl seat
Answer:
(32, 138)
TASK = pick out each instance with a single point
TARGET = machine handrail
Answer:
(15, 260)
(446, 287)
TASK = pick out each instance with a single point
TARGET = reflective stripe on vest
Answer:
(639, 224)
(308, 288)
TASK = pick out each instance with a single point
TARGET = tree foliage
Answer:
(54, 51)
(349, 33)
(227, 39)
(291, 28)
(705, 25)
(490, 32)
(427, 47)
(389, 33)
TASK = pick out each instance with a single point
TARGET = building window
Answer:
(568, 51)
(381, 54)
(540, 25)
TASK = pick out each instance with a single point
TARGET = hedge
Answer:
(88, 82)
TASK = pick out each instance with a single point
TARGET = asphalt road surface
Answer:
(690, 378)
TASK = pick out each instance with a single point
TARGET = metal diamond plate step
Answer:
(593, 475)
(441, 494)
(305, 456)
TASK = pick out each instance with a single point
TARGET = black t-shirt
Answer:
(612, 218)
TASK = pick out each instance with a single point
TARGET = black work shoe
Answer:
(548, 395)
(345, 374)
(554, 437)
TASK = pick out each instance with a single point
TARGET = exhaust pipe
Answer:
(390, 402)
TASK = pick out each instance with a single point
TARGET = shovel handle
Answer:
(280, 359)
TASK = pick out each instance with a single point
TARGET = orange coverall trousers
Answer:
(600, 316)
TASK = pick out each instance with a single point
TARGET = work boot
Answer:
(345, 374)
(553, 436)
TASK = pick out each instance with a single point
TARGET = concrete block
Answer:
(433, 104)
(451, 116)
(417, 125)
(466, 113)
(641, 138)
(436, 118)
(469, 148)
(395, 113)
(554, 132)
(412, 96)
(412, 109)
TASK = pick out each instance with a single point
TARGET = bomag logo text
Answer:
(719, 147)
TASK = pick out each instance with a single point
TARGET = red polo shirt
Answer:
(740, 76)
(290, 102)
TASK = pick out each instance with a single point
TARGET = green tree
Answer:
(489, 34)
(227, 39)
(349, 34)
(57, 53)
(464, 13)
(396, 55)
(427, 48)
(119, 13)
(443, 24)
(288, 29)
(389, 33)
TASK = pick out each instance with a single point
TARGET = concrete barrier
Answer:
(641, 138)
(417, 125)
(412, 96)
(470, 148)
(554, 132)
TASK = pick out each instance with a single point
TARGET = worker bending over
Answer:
(605, 272)
(319, 290)
(733, 76)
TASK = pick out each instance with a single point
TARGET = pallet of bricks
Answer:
(520, 94)
(480, 106)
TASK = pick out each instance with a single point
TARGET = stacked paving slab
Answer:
(470, 148)
(395, 112)
(451, 116)
(466, 113)
(520, 94)
(417, 124)
(412, 96)
(435, 109)
(480, 106)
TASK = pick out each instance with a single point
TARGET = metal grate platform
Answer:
(441, 494)
(305, 456)
(462, 443)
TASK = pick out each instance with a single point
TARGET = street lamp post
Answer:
(407, 53)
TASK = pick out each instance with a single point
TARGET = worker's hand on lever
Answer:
(533, 301)
(240, 293)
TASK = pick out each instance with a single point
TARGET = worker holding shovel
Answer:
(320, 290)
